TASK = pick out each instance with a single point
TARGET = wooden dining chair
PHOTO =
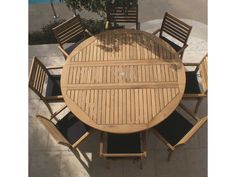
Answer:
(116, 146)
(196, 87)
(173, 28)
(121, 14)
(176, 130)
(43, 83)
(68, 131)
(69, 30)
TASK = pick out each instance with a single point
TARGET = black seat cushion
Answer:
(123, 143)
(174, 128)
(175, 46)
(53, 87)
(71, 48)
(72, 128)
(79, 39)
(192, 85)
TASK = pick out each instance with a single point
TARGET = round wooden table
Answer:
(123, 81)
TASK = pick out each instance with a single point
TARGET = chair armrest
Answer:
(88, 32)
(54, 67)
(63, 51)
(157, 31)
(81, 139)
(189, 95)
(182, 49)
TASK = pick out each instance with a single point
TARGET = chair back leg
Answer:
(199, 100)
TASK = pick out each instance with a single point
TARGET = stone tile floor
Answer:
(48, 159)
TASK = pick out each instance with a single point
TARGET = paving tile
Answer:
(132, 169)
(38, 137)
(192, 143)
(45, 50)
(43, 110)
(55, 61)
(32, 95)
(52, 145)
(197, 162)
(175, 168)
(203, 136)
(71, 166)
(153, 142)
(45, 164)
(33, 109)
(99, 168)
(202, 110)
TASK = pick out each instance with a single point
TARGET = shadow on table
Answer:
(115, 41)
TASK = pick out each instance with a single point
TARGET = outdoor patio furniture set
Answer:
(122, 82)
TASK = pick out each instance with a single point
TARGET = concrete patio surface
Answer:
(48, 159)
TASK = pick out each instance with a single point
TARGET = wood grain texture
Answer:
(127, 85)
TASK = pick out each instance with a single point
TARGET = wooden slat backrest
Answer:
(122, 14)
(175, 28)
(203, 70)
(38, 73)
(68, 30)
(194, 129)
(53, 130)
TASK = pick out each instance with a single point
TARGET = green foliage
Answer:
(46, 36)
(94, 26)
(97, 6)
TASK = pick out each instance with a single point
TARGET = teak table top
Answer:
(123, 81)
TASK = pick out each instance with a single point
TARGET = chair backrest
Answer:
(68, 30)
(122, 14)
(56, 134)
(175, 28)
(203, 70)
(37, 77)
(193, 130)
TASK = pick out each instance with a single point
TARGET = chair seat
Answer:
(72, 128)
(74, 45)
(175, 46)
(124, 143)
(53, 86)
(174, 128)
(192, 85)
